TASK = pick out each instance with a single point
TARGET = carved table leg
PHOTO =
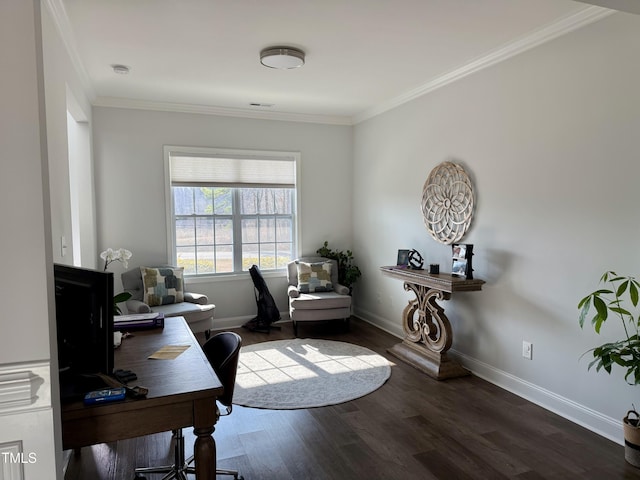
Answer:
(428, 334)
(204, 449)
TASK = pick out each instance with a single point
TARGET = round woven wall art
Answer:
(447, 202)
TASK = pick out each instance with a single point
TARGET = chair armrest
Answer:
(341, 289)
(136, 306)
(293, 291)
(199, 298)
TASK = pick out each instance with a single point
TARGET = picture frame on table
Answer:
(461, 260)
(459, 267)
(403, 258)
(459, 250)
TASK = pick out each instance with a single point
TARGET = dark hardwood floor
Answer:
(413, 427)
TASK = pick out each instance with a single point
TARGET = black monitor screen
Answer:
(84, 318)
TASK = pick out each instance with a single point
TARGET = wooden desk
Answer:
(182, 393)
(428, 334)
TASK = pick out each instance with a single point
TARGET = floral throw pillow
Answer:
(314, 277)
(162, 286)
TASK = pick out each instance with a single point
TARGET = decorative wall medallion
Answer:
(447, 202)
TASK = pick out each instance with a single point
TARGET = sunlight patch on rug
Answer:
(305, 373)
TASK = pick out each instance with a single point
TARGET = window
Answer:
(230, 210)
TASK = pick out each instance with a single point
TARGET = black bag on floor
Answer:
(267, 309)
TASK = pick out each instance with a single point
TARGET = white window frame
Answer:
(172, 150)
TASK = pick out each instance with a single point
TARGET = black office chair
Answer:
(222, 351)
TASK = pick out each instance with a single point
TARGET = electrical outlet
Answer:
(527, 350)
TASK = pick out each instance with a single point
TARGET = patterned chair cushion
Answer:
(162, 286)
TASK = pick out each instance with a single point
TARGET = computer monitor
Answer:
(84, 319)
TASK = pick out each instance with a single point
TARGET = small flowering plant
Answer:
(120, 255)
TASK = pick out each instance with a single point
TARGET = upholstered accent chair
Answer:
(314, 292)
(194, 307)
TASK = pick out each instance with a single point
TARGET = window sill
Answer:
(232, 277)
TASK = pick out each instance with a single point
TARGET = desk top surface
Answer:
(189, 375)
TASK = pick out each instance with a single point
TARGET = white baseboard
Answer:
(392, 328)
(592, 420)
(588, 418)
(237, 322)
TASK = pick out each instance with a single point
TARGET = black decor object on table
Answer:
(415, 260)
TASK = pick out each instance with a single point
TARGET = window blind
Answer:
(229, 171)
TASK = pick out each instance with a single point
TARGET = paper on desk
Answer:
(168, 352)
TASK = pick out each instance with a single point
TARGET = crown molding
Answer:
(221, 111)
(545, 34)
(630, 6)
(61, 21)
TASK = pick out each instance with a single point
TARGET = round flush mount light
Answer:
(282, 58)
(120, 69)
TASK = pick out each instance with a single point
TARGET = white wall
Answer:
(35, 92)
(28, 415)
(65, 92)
(550, 139)
(81, 189)
(128, 149)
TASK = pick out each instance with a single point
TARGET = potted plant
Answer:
(120, 255)
(348, 271)
(618, 299)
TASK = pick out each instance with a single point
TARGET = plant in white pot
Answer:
(121, 255)
(618, 299)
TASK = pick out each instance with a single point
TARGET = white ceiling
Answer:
(363, 56)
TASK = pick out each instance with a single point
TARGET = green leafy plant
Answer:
(119, 298)
(348, 271)
(619, 299)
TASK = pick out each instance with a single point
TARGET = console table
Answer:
(428, 333)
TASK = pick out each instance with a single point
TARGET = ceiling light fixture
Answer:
(282, 58)
(120, 69)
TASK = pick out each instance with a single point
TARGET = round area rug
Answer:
(305, 373)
